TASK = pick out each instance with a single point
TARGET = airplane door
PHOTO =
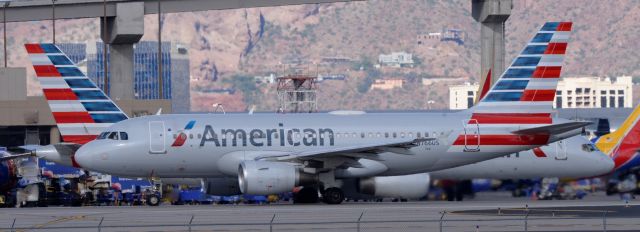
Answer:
(156, 137)
(471, 135)
(561, 150)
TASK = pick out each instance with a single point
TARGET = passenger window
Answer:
(426, 134)
(113, 136)
(199, 136)
(190, 136)
(395, 135)
(401, 134)
(362, 134)
(386, 134)
(124, 136)
(175, 136)
(418, 134)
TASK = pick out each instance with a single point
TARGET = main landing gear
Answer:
(333, 196)
(309, 195)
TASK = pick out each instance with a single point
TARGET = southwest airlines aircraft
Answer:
(272, 153)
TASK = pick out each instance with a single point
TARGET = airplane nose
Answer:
(83, 157)
(604, 163)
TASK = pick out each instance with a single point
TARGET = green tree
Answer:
(247, 85)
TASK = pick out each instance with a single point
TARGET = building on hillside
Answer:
(175, 72)
(462, 96)
(270, 79)
(396, 59)
(594, 92)
(572, 92)
(387, 84)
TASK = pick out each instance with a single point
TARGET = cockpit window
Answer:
(124, 136)
(588, 147)
(103, 135)
(113, 135)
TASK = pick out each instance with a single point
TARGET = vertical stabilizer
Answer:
(81, 110)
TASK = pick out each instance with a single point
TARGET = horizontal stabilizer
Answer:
(8, 156)
(553, 129)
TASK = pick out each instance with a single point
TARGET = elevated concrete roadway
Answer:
(35, 10)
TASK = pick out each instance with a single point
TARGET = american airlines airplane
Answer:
(273, 153)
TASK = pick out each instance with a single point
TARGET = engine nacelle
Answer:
(263, 177)
(222, 186)
(408, 187)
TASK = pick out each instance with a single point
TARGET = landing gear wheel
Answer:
(306, 195)
(153, 200)
(333, 196)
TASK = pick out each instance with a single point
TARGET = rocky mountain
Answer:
(244, 43)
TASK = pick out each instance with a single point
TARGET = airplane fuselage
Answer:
(213, 145)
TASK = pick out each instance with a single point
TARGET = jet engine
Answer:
(407, 187)
(263, 177)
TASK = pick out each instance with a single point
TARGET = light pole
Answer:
(160, 77)
(53, 19)
(105, 80)
(4, 28)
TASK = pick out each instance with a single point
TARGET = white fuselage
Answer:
(214, 145)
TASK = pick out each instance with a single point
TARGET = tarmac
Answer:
(485, 213)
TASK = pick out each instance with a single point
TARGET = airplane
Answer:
(273, 153)
(575, 157)
(623, 145)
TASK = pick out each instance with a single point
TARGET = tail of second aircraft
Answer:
(528, 86)
(623, 145)
(81, 110)
(522, 98)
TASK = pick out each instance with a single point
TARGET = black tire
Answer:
(333, 196)
(153, 200)
(306, 195)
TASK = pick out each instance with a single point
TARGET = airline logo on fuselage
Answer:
(182, 136)
(267, 137)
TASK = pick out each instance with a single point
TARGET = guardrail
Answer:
(356, 225)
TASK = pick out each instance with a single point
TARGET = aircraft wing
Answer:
(366, 151)
(553, 129)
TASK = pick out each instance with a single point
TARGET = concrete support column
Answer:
(492, 51)
(121, 71)
(123, 31)
(492, 14)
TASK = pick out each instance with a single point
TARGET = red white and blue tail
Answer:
(528, 86)
(81, 110)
